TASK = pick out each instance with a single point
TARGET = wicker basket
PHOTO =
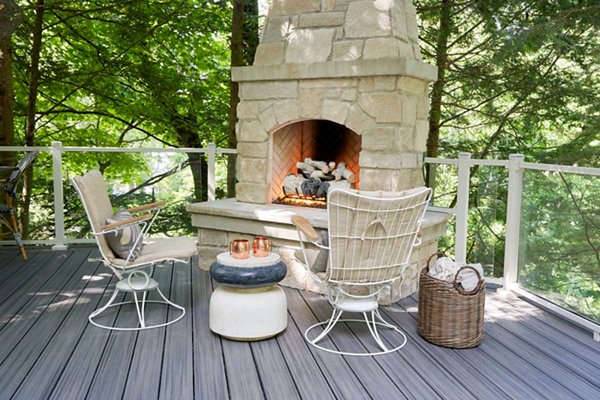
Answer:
(448, 315)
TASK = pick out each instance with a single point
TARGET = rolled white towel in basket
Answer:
(468, 278)
(446, 268)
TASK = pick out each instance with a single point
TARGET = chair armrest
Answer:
(125, 222)
(146, 207)
(305, 227)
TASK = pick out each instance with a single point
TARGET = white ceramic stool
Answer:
(248, 305)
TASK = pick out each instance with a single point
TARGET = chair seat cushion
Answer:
(125, 239)
(163, 249)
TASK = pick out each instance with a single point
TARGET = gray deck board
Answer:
(144, 377)
(48, 350)
(177, 381)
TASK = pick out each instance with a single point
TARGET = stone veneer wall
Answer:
(356, 63)
(221, 221)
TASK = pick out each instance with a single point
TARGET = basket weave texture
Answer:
(448, 315)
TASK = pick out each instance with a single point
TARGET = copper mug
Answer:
(261, 246)
(239, 249)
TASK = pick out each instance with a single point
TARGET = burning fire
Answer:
(302, 201)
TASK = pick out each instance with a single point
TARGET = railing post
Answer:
(211, 155)
(513, 221)
(462, 208)
(59, 209)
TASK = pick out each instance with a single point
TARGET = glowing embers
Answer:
(292, 199)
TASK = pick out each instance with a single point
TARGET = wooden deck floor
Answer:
(48, 350)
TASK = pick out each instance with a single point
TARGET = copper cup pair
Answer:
(240, 248)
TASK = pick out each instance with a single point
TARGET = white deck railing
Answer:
(515, 166)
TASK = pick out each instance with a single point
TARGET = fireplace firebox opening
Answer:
(310, 156)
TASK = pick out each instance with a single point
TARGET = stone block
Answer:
(253, 149)
(389, 180)
(348, 94)
(405, 50)
(252, 192)
(377, 84)
(269, 54)
(309, 45)
(404, 138)
(409, 160)
(421, 134)
(379, 159)
(268, 90)
(334, 110)
(327, 83)
(378, 138)
(268, 119)
(211, 237)
(286, 7)
(251, 131)
(247, 109)
(286, 111)
(347, 50)
(310, 102)
(207, 255)
(252, 169)
(276, 29)
(327, 5)
(321, 20)
(409, 110)
(296, 276)
(358, 120)
(423, 107)
(381, 48)
(368, 19)
(384, 107)
(409, 85)
(400, 29)
(412, 27)
(417, 51)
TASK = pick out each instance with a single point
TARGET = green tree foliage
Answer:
(517, 77)
(115, 73)
(522, 77)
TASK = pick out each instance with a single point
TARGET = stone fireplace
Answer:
(341, 80)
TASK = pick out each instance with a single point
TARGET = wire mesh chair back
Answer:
(372, 234)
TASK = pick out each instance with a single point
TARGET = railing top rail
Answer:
(562, 168)
(522, 164)
(471, 161)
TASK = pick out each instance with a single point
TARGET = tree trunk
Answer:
(7, 130)
(31, 111)
(237, 59)
(244, 40)
(437, 93)
(199, 168)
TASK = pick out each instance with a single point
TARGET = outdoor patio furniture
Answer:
(371, 236)
(134, 265)
(248, 305)
(8, 209)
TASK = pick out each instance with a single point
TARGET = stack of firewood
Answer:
(315, 178)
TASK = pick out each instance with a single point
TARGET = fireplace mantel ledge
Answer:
(277, 213)
(336, 69)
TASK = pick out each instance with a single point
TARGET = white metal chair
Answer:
(371, 236)
(134, 273)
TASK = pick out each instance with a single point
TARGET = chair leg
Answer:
(15, 228)
(335, 316)
(372, 325)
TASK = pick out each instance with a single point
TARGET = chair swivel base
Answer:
(372, 325)
(136, 286)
